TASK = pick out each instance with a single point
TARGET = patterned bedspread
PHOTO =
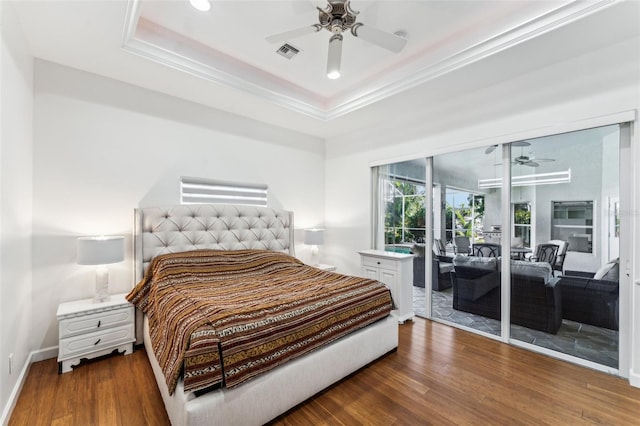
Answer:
(225, 316)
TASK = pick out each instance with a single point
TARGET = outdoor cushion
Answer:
(609, 272)
(532, 269)
(484, 263)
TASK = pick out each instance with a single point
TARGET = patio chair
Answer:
(545, 253)
(438, 247)
(486, 250)
(461, 245)
(563, 247)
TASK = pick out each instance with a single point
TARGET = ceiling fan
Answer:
(338, 17)
(530, 160)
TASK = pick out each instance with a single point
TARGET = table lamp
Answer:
(101, 251)
(314, 237)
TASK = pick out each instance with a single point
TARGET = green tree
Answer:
(465, 217)
(464, 227)
(522, 214)
(414, 214)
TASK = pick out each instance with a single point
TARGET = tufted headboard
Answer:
(188, 227)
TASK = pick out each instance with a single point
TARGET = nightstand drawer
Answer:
(93, 322)
(76, 346)
(378, 262)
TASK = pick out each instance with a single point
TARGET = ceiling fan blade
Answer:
(490, 149)
(378, 37)
(531, 164)
(545, 160)
(298, 32)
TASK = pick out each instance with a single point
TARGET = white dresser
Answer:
(88, 330)
(396, 271)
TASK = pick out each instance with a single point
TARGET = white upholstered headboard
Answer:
(188, 227)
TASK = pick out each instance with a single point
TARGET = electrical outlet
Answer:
(10, 363)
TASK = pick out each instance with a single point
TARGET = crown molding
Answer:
(215, 67)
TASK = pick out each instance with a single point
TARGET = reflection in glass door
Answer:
(564, 294)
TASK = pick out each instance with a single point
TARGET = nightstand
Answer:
(89, 330)
(395, 270)
(325, 267)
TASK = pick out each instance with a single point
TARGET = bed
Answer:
(247, 230)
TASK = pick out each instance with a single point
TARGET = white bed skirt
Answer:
(267, 396)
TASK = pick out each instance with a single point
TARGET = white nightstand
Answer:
(88, 330)
(396, 271)
(325, 267)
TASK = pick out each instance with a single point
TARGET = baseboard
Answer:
(46, 353)
(634, 378)
(34, 356)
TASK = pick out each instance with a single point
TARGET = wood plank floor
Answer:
(439, 375)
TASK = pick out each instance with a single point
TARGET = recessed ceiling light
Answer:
(201, 5)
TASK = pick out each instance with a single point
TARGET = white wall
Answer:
(102, 148)
(580, 87)
(16, 106)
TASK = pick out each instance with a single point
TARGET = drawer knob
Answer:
(97, 341)
(99, 322)
(378, 263)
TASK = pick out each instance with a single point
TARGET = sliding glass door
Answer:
(465, 289)
(565, 292)
(538, 266)
(401, 218)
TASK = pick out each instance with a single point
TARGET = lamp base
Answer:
(102, 285)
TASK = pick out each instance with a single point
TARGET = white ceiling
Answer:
(220, 58)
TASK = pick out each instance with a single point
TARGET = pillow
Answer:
(485, 263)
(609, 272)
(532, 269)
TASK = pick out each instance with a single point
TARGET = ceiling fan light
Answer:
(335, 56)
(201, 5)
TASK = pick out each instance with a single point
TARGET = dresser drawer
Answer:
(94, 322)
(75, 346)
(378, 262)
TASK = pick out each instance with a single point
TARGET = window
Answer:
(464, 214)
(573, 222)
(208, 191)
(404, 219)
(522, 223)
(399, 205)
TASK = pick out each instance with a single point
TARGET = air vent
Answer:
(288, 51)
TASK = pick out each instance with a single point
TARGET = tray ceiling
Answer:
(227, 45)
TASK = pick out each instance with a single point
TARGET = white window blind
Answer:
(208, 191)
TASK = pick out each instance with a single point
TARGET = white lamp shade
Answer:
(314, 237)
(100, 250)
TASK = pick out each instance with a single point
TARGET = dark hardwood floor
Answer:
(439, 375)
